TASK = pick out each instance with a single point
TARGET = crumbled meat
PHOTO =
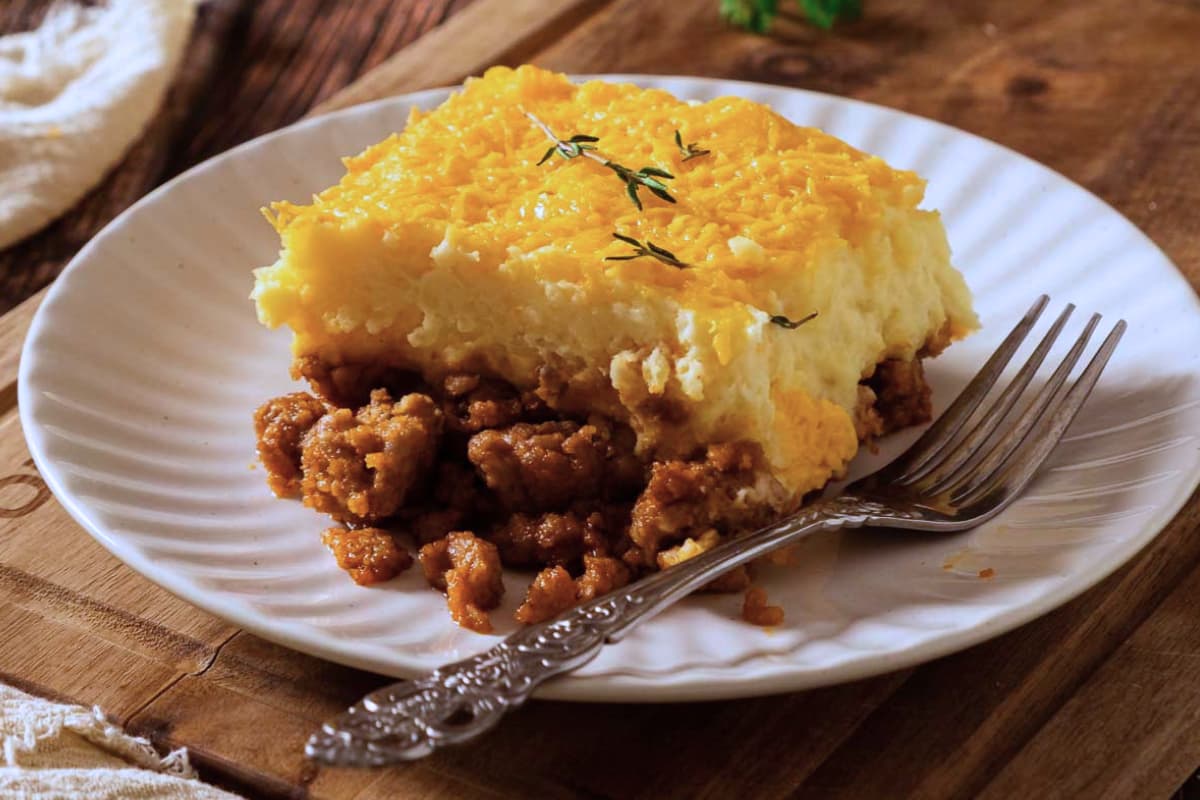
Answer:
(435, 562)
(551, 386)
(473, 403)
(551, 538)
(473, 453)
(461, 384)
(280, 426)
(615, 528)
(756, 611)
(552, 592)
(468, 570)
(601, 575)
(688, 497)
(895, 396)
(904, 397)
(370, 555)
(576, 392)
(360, 468)
(457, 486)
(867, 422)
(548, 466)
(540, 467)
(730, 459)
(624, 472)
(459, 498)
(351, 385)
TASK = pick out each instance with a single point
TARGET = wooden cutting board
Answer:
(1100, 697)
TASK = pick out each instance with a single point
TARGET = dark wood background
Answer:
(1099, 699)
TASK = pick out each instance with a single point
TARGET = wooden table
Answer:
(1100, 698)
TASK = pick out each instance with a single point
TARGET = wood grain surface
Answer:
(1100, 698)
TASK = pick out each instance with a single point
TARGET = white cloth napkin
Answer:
(74, 95)
(51, 751)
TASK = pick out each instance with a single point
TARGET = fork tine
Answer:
(1019, 470)
(982, 469)
(944, 467)
(944, 429)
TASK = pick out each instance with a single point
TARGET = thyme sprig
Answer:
(646, 176)
(649, 249)
(584, 145)
(571, 148)
(689, 150)
(791, 324)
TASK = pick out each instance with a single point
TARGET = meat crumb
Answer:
(551, 593)
(468, 570)
(350, 385)
(685, 498)
(360, 467)
(370, 555)
(868, 424)
(549, 465)
(539, 467)
(280, 425)
(552, 538)
(987, 572)
(473, 403)
(904, 396)
(756, 611)
(601, 575)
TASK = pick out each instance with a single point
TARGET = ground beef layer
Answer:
(481, 476)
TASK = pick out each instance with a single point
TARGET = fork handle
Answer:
(460, 701)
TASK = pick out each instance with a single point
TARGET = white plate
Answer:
(144, 363)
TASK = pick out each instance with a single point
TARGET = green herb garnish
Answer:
(583, 145)
(757, 15)
(791, 324)
(646, 176)
(571, 148)
(689, 150)
(649, 249)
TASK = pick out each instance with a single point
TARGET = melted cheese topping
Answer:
(446, 245)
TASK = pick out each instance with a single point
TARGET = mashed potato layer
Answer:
(447, 247)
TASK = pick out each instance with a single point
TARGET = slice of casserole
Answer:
(726, 302)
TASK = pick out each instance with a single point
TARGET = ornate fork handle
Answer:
(462, 700)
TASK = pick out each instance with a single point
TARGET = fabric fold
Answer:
(54, 750)
(75, 94)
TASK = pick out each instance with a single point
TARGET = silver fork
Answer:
(962, 472)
